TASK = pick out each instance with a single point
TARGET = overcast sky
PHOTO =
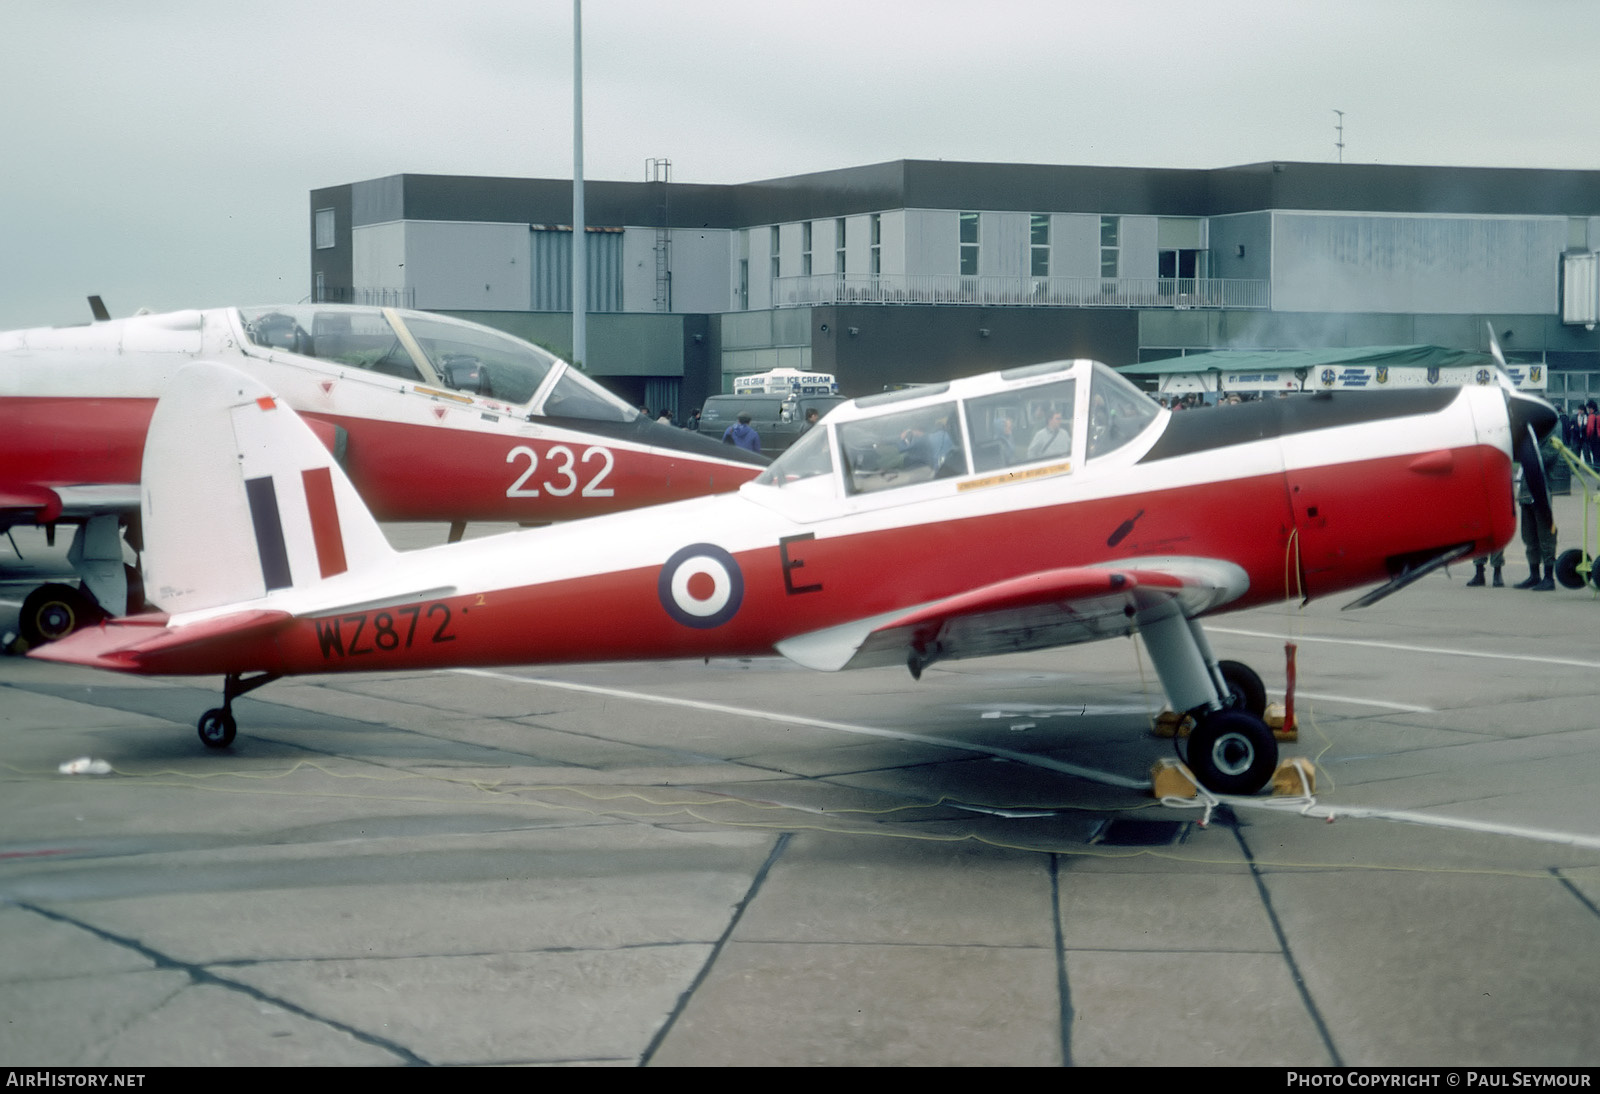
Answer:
(161, 152)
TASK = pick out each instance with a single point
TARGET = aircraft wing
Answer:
(47, 504)
(146, 644)
(1035, 611)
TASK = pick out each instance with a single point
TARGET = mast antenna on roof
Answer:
(1339, 129)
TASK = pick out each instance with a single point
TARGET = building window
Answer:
(776, 249)
(324, 229)
(877, 244)
(969, 243)
(838, 246)
(805, 249)
(1110, 232)
(1039, 244)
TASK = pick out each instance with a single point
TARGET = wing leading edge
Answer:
(1035, 611)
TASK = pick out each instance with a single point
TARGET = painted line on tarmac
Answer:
(821, 723)
(1430, 820)
(1278, 805)
(1409, 708)
(1449, 651)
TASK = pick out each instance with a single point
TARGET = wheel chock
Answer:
(1169, 724)
(1276, 715)
(1171, 779)
(1296, 778)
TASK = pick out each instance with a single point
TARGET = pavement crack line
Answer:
(1575, 891)
(200, 975)
(1063, 989)
(1231, 820)
(756, 882)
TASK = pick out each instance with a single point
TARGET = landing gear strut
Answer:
(217, 726)
(1231, 750)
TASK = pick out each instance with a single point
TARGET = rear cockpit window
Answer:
(352, 337)
(901, 449)
(807, 458)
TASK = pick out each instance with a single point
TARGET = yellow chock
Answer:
(1275, 717)
(1170, 779)
(1169, 724)
(1296, 778)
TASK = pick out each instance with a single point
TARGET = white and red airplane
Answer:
(1026, 509)
(432, 418)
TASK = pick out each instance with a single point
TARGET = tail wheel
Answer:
(54, 611)
(1248, 692)
(1232, 752)
(217, 728)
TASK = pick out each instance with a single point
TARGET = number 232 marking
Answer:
(565, 469)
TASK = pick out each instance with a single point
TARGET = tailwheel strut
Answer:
(217, 726)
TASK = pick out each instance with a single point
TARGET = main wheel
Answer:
(217, 728)
(1249, 693)
(54, 611)
(1567, 568)
(1232, 752)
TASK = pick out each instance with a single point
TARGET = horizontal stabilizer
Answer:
(1035, 611)
(148, 644)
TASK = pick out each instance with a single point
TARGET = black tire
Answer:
(1232, 752)
(1248, 692)
(54, 611)
(1567, 568)
(217, 728)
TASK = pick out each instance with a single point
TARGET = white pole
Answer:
(580, 249)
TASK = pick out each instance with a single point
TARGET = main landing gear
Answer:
(1231, 750)
(217, 726)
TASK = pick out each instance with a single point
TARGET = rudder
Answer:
(239, 498)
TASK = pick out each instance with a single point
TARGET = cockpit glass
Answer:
(1118, 411)
(910, 446)
(480, 361)
(807, 458)
(353, 337)
(1023, 425)
(577, 396)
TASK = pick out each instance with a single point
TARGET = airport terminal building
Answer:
(921, 270)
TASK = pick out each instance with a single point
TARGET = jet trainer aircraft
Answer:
(432, 418)
(1026, 509)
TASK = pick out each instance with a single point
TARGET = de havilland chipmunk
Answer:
(432, 418)
(1032, 508)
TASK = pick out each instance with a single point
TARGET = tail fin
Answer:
(239, 498)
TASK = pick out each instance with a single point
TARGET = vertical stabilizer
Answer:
(239, 498)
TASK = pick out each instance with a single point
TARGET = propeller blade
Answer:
(1494, 347)
(1533, 472)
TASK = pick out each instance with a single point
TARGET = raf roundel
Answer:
(701, 586)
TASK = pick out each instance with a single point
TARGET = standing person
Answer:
(692, 422)
(742, 434)
(1591, 435)
(811, 420)
(1538, 537)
